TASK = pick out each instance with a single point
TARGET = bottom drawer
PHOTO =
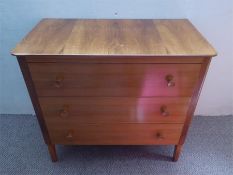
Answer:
(116, 134)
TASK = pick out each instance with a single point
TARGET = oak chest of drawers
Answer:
(114, 82)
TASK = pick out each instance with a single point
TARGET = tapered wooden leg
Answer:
(176, 153)
(52, 152)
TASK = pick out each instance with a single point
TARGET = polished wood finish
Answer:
(114, 82)
(194, 100)
(141, 80)
(97, 59)
(114, 110)
(34, 99)
(115, 134)
(177, 152)
(52, 152)
(191, 109)
(176, 37)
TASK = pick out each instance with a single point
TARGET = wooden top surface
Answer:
(144, 37)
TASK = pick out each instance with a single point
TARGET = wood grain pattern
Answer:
(114, 82)
(176, 37)
(34, 98)
(96, 59)
(194, 100)
(115, 134)
(113, 110)
(141, 80)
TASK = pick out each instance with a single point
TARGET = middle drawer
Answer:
(114, 109)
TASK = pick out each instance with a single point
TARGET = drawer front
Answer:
(109, 80)
(114, 109)
(115, 134)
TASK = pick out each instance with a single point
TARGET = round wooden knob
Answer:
(170, 81)
(69, 135)
(159, 135)
(58, 81)
(164, 111)
(64, 112)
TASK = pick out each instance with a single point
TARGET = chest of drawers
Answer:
(114, 82)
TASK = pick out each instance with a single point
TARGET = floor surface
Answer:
(208, 151)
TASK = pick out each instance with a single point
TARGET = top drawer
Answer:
(109, 80)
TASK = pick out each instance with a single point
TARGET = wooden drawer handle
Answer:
(159, 135)
(164, 111)
(58, 81)
(69, 135)
(170, 81)
(64, 112)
